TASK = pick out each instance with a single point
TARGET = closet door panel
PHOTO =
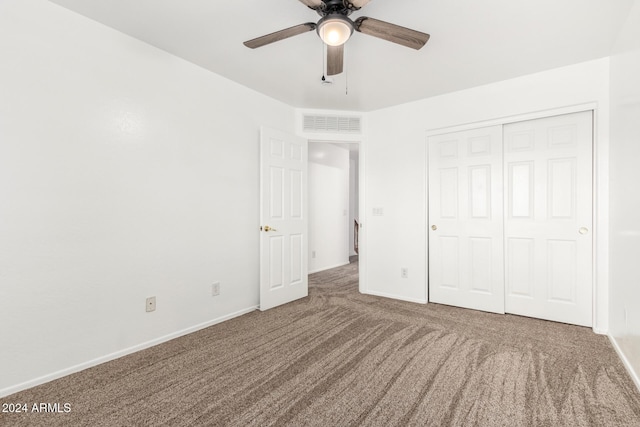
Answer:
(466, 258)
(548, 218)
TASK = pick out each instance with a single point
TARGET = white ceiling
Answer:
(472, 43)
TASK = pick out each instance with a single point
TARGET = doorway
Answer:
(334, 204)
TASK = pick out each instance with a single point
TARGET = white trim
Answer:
(625, 361)
(425, 213)
(426, 216)
(595, 199)
(330, 267)
(516, 118)
(396, 297)
(112, 356)
(600, 201)
(362, 209)
(600, 223)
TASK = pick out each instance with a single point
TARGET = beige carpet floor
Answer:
(339, 358)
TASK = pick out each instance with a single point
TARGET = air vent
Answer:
(332, 124)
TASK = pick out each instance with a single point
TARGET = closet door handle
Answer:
(583, 230)
(434, 227)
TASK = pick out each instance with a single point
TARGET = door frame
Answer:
(600, 208)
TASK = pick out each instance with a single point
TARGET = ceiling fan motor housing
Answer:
(344, 7)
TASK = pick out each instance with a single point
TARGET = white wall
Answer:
(328, 206)
(125, 172)
(625, 198)
(396, 168)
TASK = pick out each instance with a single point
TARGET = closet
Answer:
(510, 218)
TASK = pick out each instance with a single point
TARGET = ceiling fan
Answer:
(335, 28)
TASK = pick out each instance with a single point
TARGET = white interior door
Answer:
(548, 218)
(283, 218)
(466, 266)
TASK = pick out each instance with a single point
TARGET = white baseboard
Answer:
(95, 362)
(398, 297)
(625, 361)
(330, 267)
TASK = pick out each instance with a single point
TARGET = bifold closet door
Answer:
(548, 218)
(466, 266)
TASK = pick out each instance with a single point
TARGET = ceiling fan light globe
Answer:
(335, 31)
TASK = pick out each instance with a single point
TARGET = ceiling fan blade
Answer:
(280, 35)
(313, 4)
(391, 32)
(358, 3)
(335, 59)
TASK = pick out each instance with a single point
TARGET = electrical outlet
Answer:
(313, 254)
(215, 289)
(151, 304)
(404, 273)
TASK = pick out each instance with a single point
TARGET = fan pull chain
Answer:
(324, 67)
(346, 71)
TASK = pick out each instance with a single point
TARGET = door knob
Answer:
(267, 228)
(434, 228)
(583, 230)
